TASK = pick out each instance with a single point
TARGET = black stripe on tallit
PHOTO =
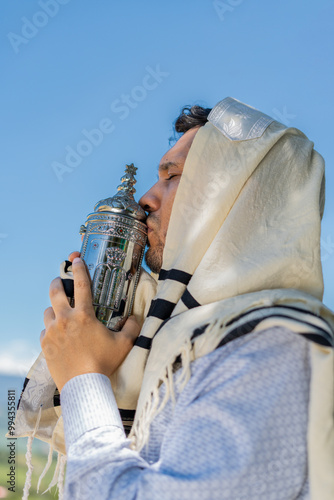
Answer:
(249, 326)
(175, 275)
(199, 331)
(56, 398)
(127, 429)
(161, 308)
(189, 300)
(26, 380)
(317, 338)
(127, 415)
(325, 334)
(144, 342)
(298, 309)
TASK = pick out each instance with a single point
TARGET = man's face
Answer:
(158, 201)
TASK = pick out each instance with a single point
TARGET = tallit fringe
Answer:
(58, 476)
(185, 360)
(30, 467)
(59, 473)
(61, 477)
(141, 430)
(46, 468)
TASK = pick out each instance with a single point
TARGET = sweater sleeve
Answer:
(238, 430)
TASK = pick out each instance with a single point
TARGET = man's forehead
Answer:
(176, 155)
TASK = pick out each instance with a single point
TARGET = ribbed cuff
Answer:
(88, 402)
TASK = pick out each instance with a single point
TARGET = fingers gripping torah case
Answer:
(113, 247)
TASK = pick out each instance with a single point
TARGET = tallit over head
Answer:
(242, 253)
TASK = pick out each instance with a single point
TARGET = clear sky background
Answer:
(66, 67)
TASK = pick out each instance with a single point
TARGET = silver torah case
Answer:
(113, 247)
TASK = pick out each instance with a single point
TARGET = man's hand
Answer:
(74, 342)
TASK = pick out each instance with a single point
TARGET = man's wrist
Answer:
(88, 402)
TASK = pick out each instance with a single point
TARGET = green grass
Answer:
(38, 460)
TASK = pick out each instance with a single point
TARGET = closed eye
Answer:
(171, 177)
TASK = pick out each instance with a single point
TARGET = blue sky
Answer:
(67, 68)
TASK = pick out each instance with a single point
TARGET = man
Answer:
(237, 393)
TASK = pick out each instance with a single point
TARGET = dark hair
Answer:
(191, 117)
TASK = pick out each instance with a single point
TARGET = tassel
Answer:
(46, 468)
(140, 431)
(185, 360)
(170, 383)
(61, 476)
(30, 467)
(157, 409)
(27, 483)
(56, 472)
(55, 475)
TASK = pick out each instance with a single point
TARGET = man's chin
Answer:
(153, 258)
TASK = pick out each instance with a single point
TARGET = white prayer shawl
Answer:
(242, 253)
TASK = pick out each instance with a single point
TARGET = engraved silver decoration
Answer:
(238, 121)
(113, 247)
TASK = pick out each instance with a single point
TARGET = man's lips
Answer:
(152, 225)
(149, 227)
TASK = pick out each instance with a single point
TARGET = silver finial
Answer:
(123, 201)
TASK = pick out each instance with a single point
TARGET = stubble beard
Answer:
(154, 255)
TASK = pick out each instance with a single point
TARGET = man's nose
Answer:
(150, 201)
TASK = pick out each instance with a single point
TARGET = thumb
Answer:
(131, 329)
(125, 338)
